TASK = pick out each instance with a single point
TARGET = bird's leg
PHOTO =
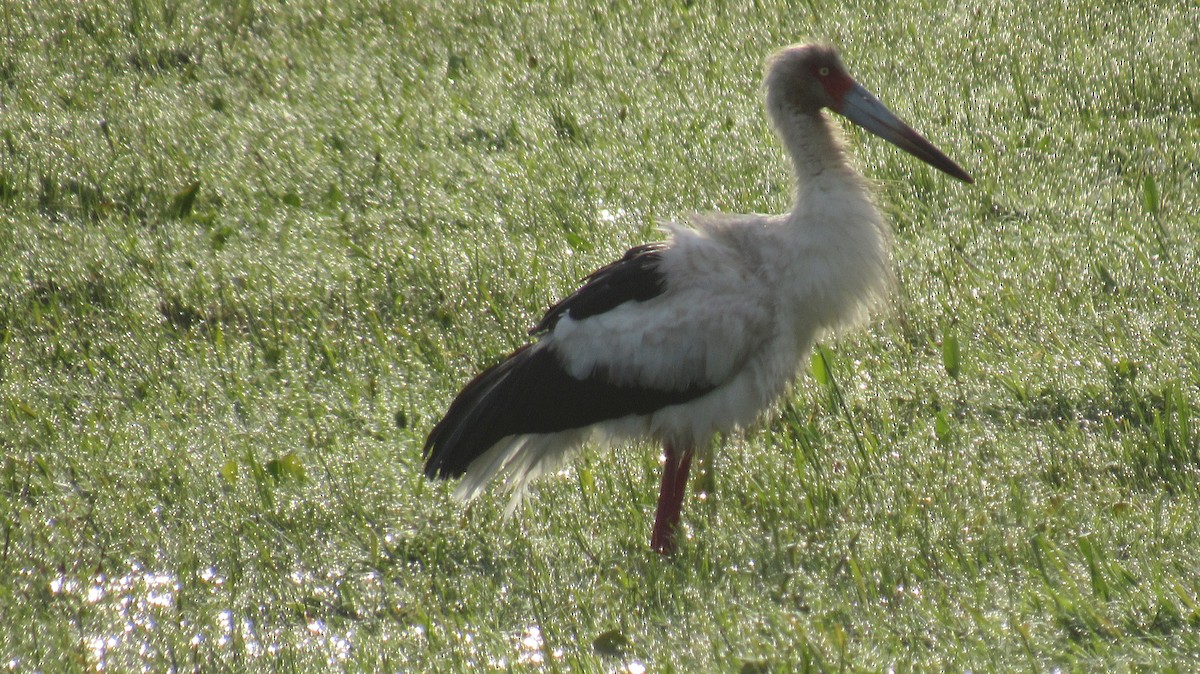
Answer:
(670, 497)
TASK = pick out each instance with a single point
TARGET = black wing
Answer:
(635, 277)
(530, 392)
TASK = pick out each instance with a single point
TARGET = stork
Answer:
(685, 339)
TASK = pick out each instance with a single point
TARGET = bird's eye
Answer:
(823, 71)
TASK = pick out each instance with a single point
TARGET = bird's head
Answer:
(803, 79)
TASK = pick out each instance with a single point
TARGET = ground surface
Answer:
(250, 251)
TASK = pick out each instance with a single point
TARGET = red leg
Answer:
(670, 498)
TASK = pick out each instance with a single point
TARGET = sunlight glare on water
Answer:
(608, 217)
(530, 649)
(131, 609)
(137, 597)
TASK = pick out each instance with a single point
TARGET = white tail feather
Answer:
(519, 460)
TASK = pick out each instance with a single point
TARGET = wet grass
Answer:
(251, 251)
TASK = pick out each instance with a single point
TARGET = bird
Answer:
(684, 340)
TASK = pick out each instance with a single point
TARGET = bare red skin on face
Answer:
(836, 83)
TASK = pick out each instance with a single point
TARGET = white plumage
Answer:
(699, 335)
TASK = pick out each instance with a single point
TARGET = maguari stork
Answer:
(698, 335)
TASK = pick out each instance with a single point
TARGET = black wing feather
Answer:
(634, 277)
(530, 392)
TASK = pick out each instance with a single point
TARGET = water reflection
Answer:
(129, 609)
(139, 615)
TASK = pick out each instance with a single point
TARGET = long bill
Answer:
(861, 107)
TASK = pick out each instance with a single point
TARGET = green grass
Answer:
(251, 250)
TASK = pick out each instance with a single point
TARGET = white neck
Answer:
(836, 245)
(813, 143)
